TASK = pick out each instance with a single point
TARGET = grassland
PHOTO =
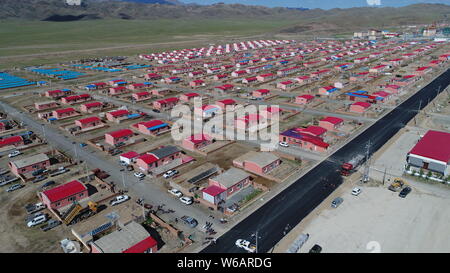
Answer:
(34, 42)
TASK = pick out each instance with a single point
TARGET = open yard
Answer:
(35, 39)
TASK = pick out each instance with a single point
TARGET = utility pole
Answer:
(384, 175)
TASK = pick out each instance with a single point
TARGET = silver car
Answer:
(336, 202)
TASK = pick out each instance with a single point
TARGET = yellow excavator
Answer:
(397, 184)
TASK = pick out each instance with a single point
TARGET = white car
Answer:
(170, 173)
(13, 154)
(356, 191)
(175, 192)
(241, 243)
(139, 175)
(186, 200)
(37, 220)
(119, 199)
(283, 144)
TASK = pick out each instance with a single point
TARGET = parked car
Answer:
(39, 172)
(315, 249)
(191, 222)
(119, 199)
(37, 220)
(83, 144)
(336, 202)
(139, 175)
(48, 184)
(405, 192)
(356, 191)
(39, 178)
(186, 200)
(13, 154)
(33, 208)
(175, 192)
(123, 163)
(283, 144)
(116, 152)
(244, 244)
(15, 187)
(52, 223)
(156, 111)
(170, 173)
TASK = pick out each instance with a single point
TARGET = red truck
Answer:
(350, 166)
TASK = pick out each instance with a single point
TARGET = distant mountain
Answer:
(304, 20)
(162, 2)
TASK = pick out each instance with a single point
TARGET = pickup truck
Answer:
(33, 208)
(52, 223)
(39, 178)
(39, 172)
(59, 171)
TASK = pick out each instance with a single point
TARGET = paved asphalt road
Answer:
(275, 218)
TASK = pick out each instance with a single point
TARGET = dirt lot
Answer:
(414, 224)
(15, 236)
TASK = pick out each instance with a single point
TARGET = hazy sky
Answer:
(324, 4)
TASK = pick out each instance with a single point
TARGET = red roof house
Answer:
(64, 195)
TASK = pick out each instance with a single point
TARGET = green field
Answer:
(38, 37)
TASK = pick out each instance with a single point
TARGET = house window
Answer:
(71, 198)
(81, 194)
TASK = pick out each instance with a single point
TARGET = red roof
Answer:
(151, 123)
(286, 82)
(198, 138)
(65, 190)
(71, 98)
(142, 246)
(93, 104)
(144, 93)
(263, 91)
(88, 120)
(307, 97)
(190, 95)
(434, 145)
(168, 100)
(314, 130)
(120, 133)
(54, 91)
(362, 104)
(10, 140)
(129, 155)
(148, 158)
(333, 120)
(119, 113)
(227, 101)
(65, 110)
(381, 94)
(213, 190)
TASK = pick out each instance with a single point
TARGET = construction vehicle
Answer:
(77, 213)
(397, 185)
(350, 166)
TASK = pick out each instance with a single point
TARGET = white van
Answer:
(37, 220)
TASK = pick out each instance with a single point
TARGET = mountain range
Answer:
(352, 18)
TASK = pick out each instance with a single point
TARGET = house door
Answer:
(425, 165)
